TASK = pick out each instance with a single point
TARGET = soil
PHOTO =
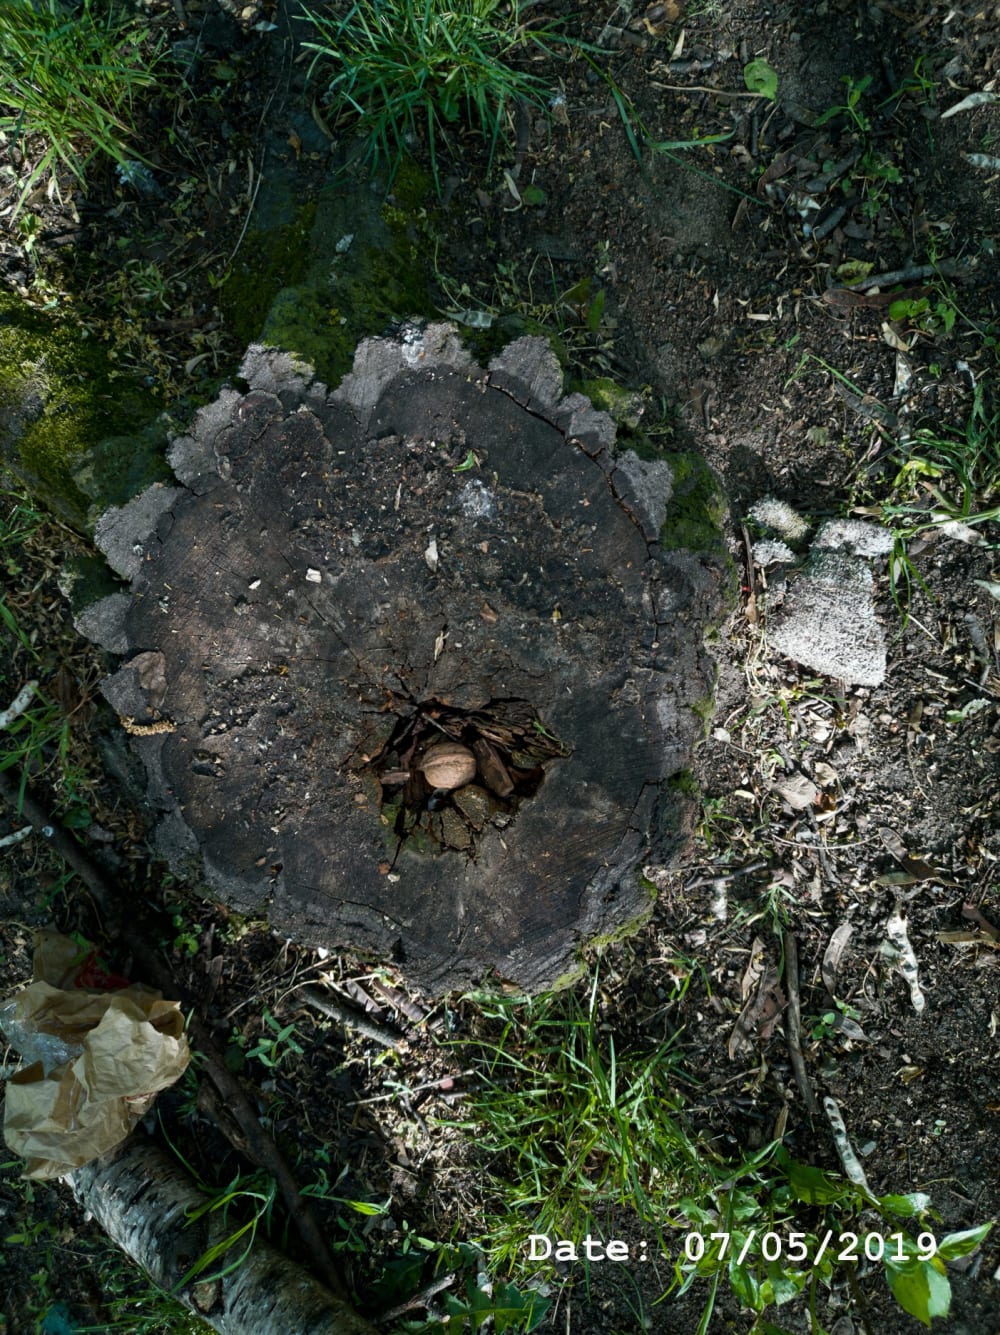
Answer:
(722, 270)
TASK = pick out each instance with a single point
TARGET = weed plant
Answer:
(584, 1134)
(950, 474)
(417, 67)
(39, 739)
(581, 1127)
(948, 479)
(70, 75)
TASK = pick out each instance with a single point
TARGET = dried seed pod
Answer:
(448, 765)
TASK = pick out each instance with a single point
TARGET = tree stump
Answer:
(407, 664)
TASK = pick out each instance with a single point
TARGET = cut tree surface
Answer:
(433, 556)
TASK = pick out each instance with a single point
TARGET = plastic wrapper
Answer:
(96, 1048)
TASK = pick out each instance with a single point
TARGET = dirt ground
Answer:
(723, 271)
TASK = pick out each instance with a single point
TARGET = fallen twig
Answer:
(106, 895)
(912, 273)
(378, 1033)
(17, 837)
(793, 1023)
(18, 705)
(421, 1299)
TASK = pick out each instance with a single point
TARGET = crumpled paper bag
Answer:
(98, 1048)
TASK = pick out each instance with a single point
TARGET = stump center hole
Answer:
(448, 774)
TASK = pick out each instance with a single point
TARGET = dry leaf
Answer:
(797, 790)
(755, 968)
(849, 1160)
(832, 956)
(897, 948)
(890, 336)
(970, 102)
(759, 1016)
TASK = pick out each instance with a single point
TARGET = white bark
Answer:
(140, 1197)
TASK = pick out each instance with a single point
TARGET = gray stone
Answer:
(827, 621)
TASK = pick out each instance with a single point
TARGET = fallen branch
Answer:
(421, 1299)
(142, 1199)
(18, 705)
(793, 1023)
(261, 1147)
(378, 1033)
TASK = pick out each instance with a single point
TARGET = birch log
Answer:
(141, 1198)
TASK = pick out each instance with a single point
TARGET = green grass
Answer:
(38, 740)
(583, 1135)
(70, 76)
(579, 1125)
(935, 478)
(414, 69)
(949, 474)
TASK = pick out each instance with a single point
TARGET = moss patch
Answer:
(346, 268)
(643, 424)
(61, 396)
(697, 508)
(267, 262)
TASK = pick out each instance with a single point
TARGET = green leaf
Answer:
(364, 1207)
(920, 1289)
(761, 78)
(595, 310)
(668, 145)
(744, 1281)
(816, 1187)
(960, 1244)
(517, 1311)
(533, 195)
(695, 1213)
(786, 1283)
(912, 1203)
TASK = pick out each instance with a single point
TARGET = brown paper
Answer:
(97, 1059)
